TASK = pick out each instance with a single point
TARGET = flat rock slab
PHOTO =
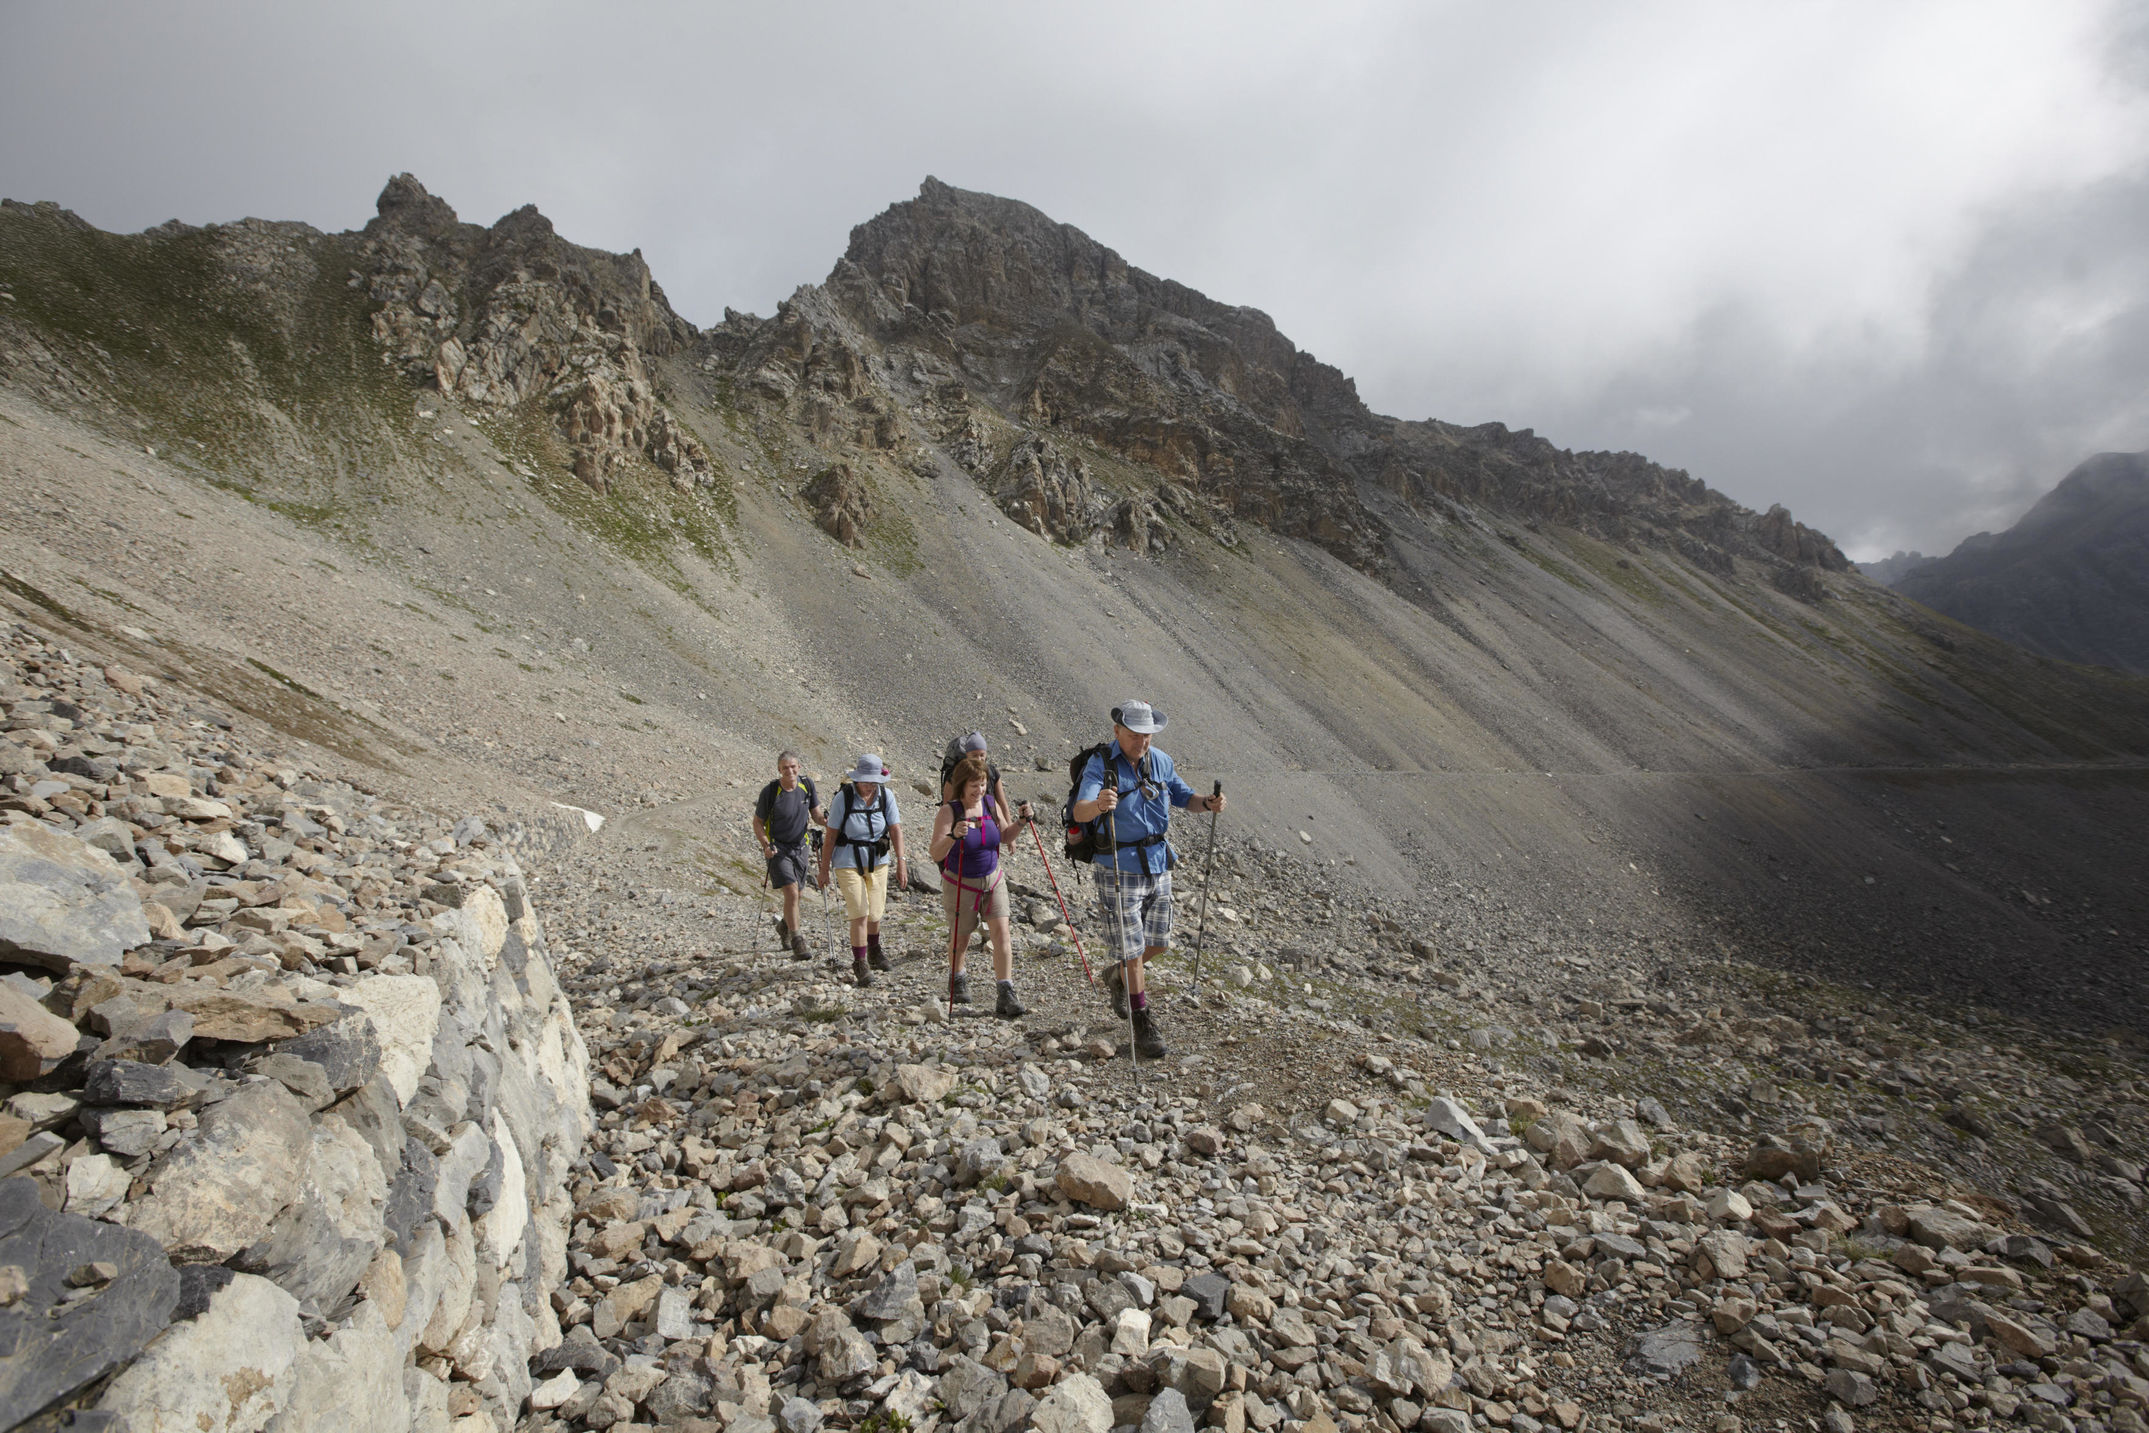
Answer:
(1666, 1351)
(44, 1355)
(264, 1014)
(63, 902)
(1452, 1120)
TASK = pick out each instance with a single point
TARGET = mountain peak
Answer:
(405, 205)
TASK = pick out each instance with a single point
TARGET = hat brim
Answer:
(1157, 722)
(859, 778)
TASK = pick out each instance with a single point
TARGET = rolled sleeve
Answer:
(1092, 784)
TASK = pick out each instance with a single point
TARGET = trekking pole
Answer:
(764, 892)
(1055, 880)
(1208, 868)
(955, 912)
(1109, 840)
(827, 935)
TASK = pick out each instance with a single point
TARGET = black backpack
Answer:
(952, 758)
(1082, 835)
(876, 850)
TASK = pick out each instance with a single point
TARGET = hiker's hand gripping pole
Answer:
(1208, 869)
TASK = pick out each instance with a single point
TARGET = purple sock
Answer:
(1139, 1000)
(858, 952)
(873, 944)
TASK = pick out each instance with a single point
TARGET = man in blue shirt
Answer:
(1135, 786)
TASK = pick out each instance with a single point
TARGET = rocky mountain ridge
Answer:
(1020, 342)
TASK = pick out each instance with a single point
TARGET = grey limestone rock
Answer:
(1452, 1120)
(347, 1050)
(320, 1247)
(231, 1367)
(129, 1082)
(217, 1191)
(1208, 1291)
(893, 1295)
(1667, 1350)
(968, 1386)
(1168, 1413)
(64, 903)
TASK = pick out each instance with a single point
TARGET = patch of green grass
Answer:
(292, 682)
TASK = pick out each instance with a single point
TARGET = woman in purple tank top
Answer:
(968, 843)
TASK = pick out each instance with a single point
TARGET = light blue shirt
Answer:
(863, 823)
(1138, 814)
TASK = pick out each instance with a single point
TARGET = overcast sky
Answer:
(1885, 264)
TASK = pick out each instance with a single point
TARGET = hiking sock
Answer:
(858, 952)
(1139, 1000)
(873, 946)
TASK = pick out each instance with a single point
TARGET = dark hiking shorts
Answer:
(790, 866)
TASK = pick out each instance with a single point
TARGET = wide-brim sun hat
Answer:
(1139, 717)
(870, 769)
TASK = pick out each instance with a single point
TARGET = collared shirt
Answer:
(1138, 815)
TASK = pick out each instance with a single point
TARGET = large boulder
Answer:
(64, 902)
(228, 1370)
(217, 1191)
(405, 1010)
(319, 1249)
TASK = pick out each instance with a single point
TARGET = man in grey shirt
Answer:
(786, 809)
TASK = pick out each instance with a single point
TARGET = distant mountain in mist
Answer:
(2070, 579)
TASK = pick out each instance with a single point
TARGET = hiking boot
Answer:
(1008, 1007)
(877, 958)
(958, 989)
(1147, 1043)
(1115, 980)
(799, 950)
(783, 930)
(860, 973)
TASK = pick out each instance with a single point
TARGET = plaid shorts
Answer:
(1147, 901)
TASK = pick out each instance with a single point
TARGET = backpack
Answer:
(876, 850)
(953, 757)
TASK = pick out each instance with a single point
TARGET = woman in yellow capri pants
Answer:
(865, 838)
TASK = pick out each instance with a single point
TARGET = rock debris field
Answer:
(325, 1112)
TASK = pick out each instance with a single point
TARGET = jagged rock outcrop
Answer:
(1048, 491)
(840, 504)
(1007, 338)
(504, 316)
(2070, 579)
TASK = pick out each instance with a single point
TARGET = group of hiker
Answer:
(1117, 817)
